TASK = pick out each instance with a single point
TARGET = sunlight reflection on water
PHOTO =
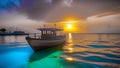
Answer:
(85, 46)
(80, 51)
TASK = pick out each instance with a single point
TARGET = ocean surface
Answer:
(80, 51)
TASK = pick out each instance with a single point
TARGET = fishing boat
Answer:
(49, 37)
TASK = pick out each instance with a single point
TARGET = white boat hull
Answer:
(38, 44)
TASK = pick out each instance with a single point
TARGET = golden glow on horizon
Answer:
(69, 26)
(72, 24)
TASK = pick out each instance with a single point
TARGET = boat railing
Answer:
(44, 36)
(34, 35)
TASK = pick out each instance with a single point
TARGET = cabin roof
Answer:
(50, 29)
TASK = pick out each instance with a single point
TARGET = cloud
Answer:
(18, 20)
(54, 9)
(67, 2)
(29, 13)
(105, 19)
(104, 24)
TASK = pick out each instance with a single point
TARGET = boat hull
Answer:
(38, 44)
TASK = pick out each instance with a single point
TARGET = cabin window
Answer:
(52, 32)
(44, 32)
(49, 32)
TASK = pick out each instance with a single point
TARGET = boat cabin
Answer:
(50, 33)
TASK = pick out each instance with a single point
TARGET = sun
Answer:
(69, 26)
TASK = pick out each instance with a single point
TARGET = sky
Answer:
(98, 16)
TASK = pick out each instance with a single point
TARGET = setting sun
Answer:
(69, 26)
(73, 25)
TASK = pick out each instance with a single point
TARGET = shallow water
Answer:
(80, 51)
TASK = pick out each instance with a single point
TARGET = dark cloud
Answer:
(81, 8)
(36, 9)
(55, 10)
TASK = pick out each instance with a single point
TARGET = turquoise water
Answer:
(80, 51)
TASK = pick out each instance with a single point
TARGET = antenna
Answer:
(55, 25)
(44, 25)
